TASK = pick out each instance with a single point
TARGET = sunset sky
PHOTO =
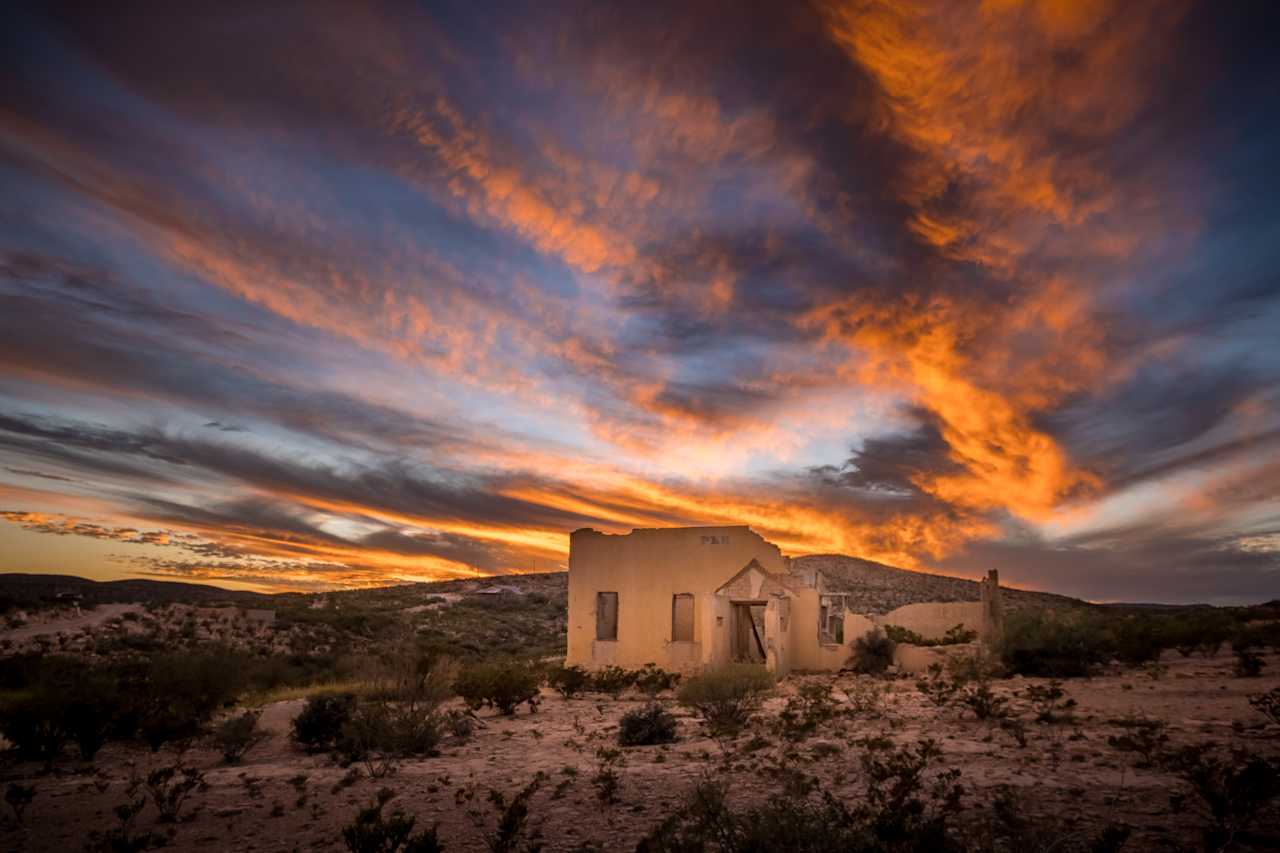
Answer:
(314, 295)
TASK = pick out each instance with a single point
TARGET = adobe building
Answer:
(687, 598)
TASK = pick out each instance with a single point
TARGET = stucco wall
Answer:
(806, 653)
(646, 568)
(917, 659)
(932, 620)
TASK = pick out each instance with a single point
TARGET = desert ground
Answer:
(1069, 776)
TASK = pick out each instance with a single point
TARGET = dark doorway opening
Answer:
(747, 643)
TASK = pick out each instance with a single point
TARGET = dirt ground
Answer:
(279, 799)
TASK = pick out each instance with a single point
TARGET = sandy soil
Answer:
(279, 799)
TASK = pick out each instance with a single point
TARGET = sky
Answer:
(302, 296)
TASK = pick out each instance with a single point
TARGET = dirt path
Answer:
(70, 624)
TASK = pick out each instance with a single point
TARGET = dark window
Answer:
(682, 618)
(606, 616)
(831, 619)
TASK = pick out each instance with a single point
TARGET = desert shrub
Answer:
(606, 780)
(379, 732)
(955, 635)
(414, 676)
(36, 726)
(238, 734)
(904, 810)
(169, 788)
(612, 680)
(1231, 788)
(651, 680)
(1136, 640)
(937, 686)
(808, 824)
(985, 703)
(17, 798)
(1248, 663)
(569, 681)
(804, 712)
(1267, 704)
(902, 804)
(872, 653)
(725, 698)
(1012, 827)
(1053, 646)
(370, 831)
(1049, 702)
(511, 832)
(62, 700)
(1146, 737)
(177, 693)
(122, 838)
(646, 726)
(318, 725)
(502, 685)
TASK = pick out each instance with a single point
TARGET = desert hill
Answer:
(877, 588)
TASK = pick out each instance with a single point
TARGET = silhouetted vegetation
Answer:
(503, 685)
(872, 653)
(651, 724)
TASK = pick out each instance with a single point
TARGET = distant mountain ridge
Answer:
(21, 587)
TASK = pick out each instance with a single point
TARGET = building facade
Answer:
(688, 598)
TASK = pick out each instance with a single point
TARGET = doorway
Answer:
(746, 625)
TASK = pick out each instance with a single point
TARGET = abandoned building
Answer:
(694, 597)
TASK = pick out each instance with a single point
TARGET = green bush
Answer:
(725, 698)
(613, 680)
(62, 700)
(955, 635)
(1137, 640)
(318, 725)
(238, 734)
(1054, 647)
(569, 681)
(646, 726)
(503, 685)
(872, 653)
(380, 732)
(652, 680)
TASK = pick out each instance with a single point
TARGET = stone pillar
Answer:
(992, 611)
